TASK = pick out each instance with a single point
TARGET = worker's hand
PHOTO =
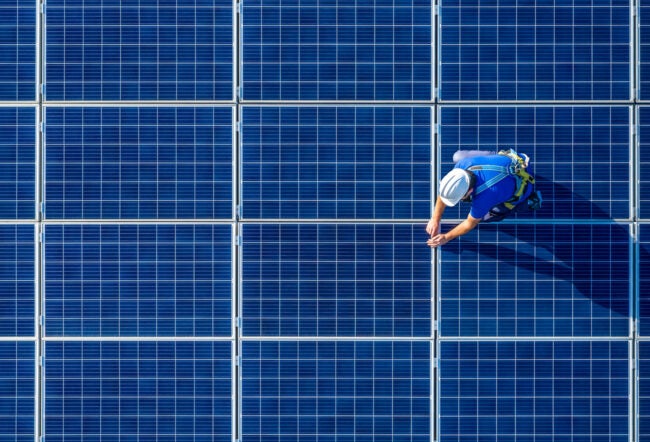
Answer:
(433, 228)
(438, 240)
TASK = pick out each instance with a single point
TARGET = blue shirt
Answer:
(493, 195)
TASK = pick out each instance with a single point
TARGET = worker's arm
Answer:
(465, 227)
(433, 227)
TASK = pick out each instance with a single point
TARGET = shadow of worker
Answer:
(565, 278)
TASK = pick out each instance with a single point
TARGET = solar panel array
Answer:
(212, 221)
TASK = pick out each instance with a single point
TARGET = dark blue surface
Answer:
(129, 280)
(644, 161)
(507, 391)
(17, 157)
(580, 156)
(336, 163)
(18, 50)
(17, 391)
(146, 50)
(537, 280)
(336, 391)
(643, 55)
(140, 391)
(17, 280)
(335, 280)
(643, 323)
(521, 50)
(329, 50)
(138, 163)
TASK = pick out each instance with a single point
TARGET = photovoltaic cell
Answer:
(580, 156)
(542, 390)
(336, 391)
(643, 18)
(138, 391)
(17, 391)
(644, 161)
(17, 266)
(336, 162)
(145, 50)
(643, 390)
(517, 50)
(138, 280)
(329, 50)
(643, 324)
(139, 163)
(18, 50)
(17, 160)
(537, 280)
(335, 280)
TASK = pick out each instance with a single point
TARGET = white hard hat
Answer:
(454, 186)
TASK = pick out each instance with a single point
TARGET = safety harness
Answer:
(517, 170)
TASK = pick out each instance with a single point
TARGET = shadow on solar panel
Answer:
(553, 261)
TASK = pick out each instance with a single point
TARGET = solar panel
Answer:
(643, 325)
(138, 391)
(18, 50)
(518, 50)
(643, 390)
(17, 391)
(644, 161)
(138, 280)
(335, 280)
(336, 391)
(336, 162)
(17, 161)
(329, 50)
(580, 155)
(17, 280)
(147, 50)
(537, 280)
(544, 390)
(139, 163)
(643, 18)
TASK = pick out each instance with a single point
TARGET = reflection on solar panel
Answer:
(130, 280)
(330, 50)
(17, 156)
(518, 50)
(145, 50)
(17, 391)
(335, 280)
(336, 390)
(139, 163)
(541, 390)
(16, 280)
(306, 162)
(138, 391)
(544, 280)
(580, 155)
(18, 50)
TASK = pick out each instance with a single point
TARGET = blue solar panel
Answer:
(17, 391)
(335, 280)
(580, 155)
(644, 161)
(139, 163)
(145, 50)
(329, 50)
(17, 156)
(643, 56)
(643, 324)
(643, 390)
(18, 50)
(336, 391)
(336, 162)
(129, 280)
(138, 391)
(537, 280)
(518, 50)
(17, 280)
(509, 391)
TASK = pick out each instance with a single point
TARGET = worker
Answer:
(496, 185)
